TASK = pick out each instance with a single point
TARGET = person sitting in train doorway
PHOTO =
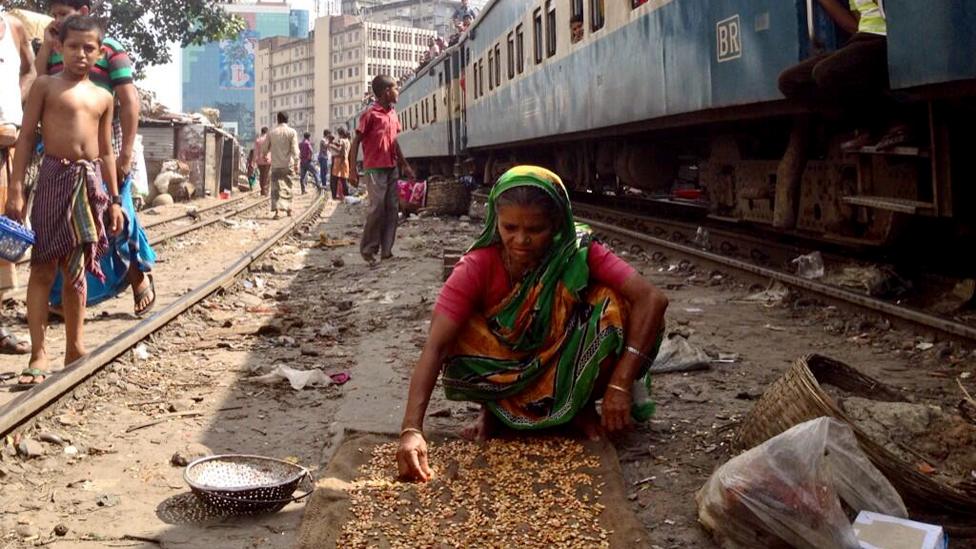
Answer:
(855, 74)
(382, 157)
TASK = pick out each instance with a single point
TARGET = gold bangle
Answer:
(617, 387)
(412, 430)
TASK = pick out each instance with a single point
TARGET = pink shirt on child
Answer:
(479, 281)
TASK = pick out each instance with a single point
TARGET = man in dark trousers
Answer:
(377, 133)
(856, 74)
(306, 151)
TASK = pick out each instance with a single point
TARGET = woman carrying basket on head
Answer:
(536, 323)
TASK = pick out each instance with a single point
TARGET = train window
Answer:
(481, 77)
(498, 65)
(433, 101)
(491, 69)
(537, 34)
(598, 15)
(511, 55)
(519, 49)
(550, 29)
(576, 24)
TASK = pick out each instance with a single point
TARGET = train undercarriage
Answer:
(737, 168)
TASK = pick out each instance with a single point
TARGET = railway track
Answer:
(18, 412)
(247, 200)
(758, 257)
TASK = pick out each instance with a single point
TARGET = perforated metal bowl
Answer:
(246, 485)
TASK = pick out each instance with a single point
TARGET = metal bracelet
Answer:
(617, 387)
(645, 358)
(412, 430)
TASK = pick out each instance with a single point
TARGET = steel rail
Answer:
(26, 259)
(217, 206)
(30, 404)
(906, 314)
(201, 224)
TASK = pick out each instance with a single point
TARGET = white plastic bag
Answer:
(140, 176)
(299, 379)
(786, 492)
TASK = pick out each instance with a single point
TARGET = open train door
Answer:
(459, 62)
(453, 72)
(450, 98)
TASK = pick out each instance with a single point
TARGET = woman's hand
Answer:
(412, 458)
(616, 410)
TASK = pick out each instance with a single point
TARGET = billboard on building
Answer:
(222, 74)
(237, 61)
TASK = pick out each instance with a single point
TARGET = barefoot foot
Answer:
(480, 429)
(588, 423)
(73, 355)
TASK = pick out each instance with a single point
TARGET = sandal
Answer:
(36, 378)
(10, 344)
(137, 297)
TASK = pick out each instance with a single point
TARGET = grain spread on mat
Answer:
(523, 493)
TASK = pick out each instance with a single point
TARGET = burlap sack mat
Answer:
(328, 509)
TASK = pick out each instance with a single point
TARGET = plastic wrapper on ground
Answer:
(787, 491)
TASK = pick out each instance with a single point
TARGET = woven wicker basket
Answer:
(447, 197)
(797, 397)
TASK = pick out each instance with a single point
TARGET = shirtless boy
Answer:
(69, 207)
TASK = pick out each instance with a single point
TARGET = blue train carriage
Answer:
(584, 72)
(430, 116)
(931, 65)
(663, 94)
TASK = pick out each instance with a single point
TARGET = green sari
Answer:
(534, 359)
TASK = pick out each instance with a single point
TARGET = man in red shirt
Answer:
(377, 133)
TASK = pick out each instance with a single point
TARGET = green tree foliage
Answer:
(145, 27)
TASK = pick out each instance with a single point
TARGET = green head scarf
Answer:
(565, 262)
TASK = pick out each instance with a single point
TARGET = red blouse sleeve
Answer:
(465, 288)
(607, 268)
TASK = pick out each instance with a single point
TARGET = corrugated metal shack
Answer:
(212, 154)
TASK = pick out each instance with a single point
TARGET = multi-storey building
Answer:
(324, 79)
(424, 14)
(285, 71)
(361, 50)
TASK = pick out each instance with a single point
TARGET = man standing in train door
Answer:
(377, 133)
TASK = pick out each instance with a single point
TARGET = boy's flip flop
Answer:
(137, 297)
(34, 374)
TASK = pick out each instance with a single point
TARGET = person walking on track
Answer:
(263, 162)
(382, 157)
(324, 160)
(282, 144)
(306, 152)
